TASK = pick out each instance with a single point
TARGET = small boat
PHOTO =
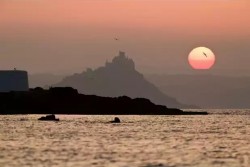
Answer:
(51, 117)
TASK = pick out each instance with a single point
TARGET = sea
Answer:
(220, 139)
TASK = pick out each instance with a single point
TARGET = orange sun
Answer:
(201, 58)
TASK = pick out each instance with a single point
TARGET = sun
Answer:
(201, 58)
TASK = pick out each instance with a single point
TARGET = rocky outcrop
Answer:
(68, 101)
(51, 117)
(116, 120)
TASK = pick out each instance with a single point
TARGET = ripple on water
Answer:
(144, 141)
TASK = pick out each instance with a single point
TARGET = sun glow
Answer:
(201, 58)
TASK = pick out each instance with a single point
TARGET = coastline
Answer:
(67, 101)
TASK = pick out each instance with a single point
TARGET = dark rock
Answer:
(51, 117)
(69, 101)
(116, 120)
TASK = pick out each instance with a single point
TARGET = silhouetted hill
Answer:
(206, 91)
(68, 101)
(118, 78)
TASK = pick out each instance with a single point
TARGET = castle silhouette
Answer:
(118, 77)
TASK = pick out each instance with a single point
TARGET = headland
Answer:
(66, 100)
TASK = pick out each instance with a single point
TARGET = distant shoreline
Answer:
(67, 101)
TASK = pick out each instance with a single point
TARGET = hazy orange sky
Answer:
(66, 36)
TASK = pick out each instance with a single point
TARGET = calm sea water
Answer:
(221, 139)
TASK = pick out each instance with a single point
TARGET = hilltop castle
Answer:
(118, 77)
(121, 62)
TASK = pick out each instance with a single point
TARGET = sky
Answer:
(68, 36)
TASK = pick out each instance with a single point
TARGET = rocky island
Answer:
(116, 78)
(66, 100)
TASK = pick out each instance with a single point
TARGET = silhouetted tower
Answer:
(122, 54)
(13, 80)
